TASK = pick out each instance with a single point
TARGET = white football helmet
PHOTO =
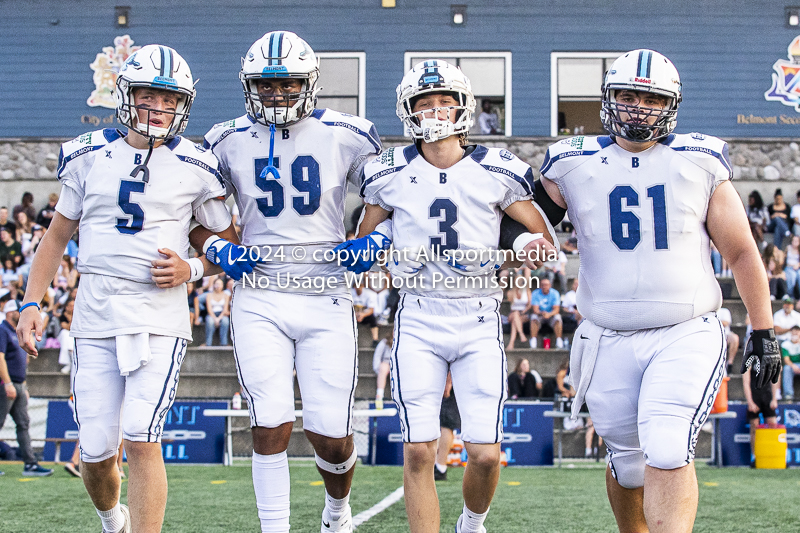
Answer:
(280, 54)
(156, 67)
(641, 70)
(432, 76)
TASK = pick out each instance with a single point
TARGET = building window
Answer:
(343, 81)
(576, 79)
(490, 76)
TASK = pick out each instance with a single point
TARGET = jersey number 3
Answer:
(626, 226)
(134, 224)
(447, 212)
(305, 179)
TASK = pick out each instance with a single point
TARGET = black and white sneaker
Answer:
(35, 469)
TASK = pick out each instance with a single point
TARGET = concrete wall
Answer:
(761, 165)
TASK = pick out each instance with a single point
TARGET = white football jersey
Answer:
(640, 221)
(442, 208)
(125, 220)
(305, 207)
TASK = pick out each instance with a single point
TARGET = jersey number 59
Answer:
(305, 180)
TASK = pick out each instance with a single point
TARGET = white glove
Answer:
(474, 259)
(403, 263)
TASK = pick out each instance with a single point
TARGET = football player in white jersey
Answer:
(446, 195)
(650, 355)
(133, 195)
(288, 165)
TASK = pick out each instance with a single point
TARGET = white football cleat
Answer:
(343, 525)
(458, 525)
(126, 527)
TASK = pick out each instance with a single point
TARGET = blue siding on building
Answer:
(723, 50)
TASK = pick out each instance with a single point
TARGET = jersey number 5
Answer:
(445, 210)
(132, 225)
(305, 180)
(626, 226)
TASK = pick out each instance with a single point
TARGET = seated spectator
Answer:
(194, 304)
(10, 275)
(569, 309)
(559, 386)
(5, 222)
(794, 214)
(790, 350)
(520, 300)
(524, 382)
(557, 269)
(67, 344)
(784, 319)
(792, 266)
(217, 314)
(777, 280)
(779, 219)
(9, 248)
(546, 307)
(364, 303)
(26, 206)
(732, 338)
(380, 365)
(45, 216)
(758, 215)
(379, 282)
(24, 227)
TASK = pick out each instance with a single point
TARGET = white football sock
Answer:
(441, 468)
(378, 393)
(271, 484)
(113, 520)
(472, 522)
(334, 508)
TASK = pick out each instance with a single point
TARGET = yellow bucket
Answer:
(770, 447)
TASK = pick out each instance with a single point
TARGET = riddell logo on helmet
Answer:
(643, 80)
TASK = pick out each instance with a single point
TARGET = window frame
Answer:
(554, 57)
(467, 54)
(362, 75)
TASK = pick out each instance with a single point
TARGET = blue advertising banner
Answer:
(735, 434)
(527, 436)
(189, 437)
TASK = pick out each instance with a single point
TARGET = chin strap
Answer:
(270, 168)
(143, 167)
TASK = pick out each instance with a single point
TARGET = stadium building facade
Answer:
(539, 63)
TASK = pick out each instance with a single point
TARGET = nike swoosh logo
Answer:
(326, 525)
(231, 261)
(585, 338)
(486, 263)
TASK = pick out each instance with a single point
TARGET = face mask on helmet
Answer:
(149, 71)
(279, 55)
(642, 71)
(433, 124)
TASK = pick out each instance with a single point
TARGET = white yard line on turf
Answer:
(382, 505)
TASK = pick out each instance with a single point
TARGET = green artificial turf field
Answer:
(221, 499)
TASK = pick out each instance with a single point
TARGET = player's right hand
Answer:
(764, 355)
(234, 259)
(401, 264)
(538, 251)
(358, 255)
(30, 325)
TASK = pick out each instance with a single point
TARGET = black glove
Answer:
(764, 355)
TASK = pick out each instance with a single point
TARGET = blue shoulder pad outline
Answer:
(83, 144)
(359, 126)
(573, 147)
(391, 161)
(699, 144)
(220, 131)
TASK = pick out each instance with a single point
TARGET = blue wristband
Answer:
(21, 309)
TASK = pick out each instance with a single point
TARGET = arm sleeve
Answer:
(70, 202)
(213, 215)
